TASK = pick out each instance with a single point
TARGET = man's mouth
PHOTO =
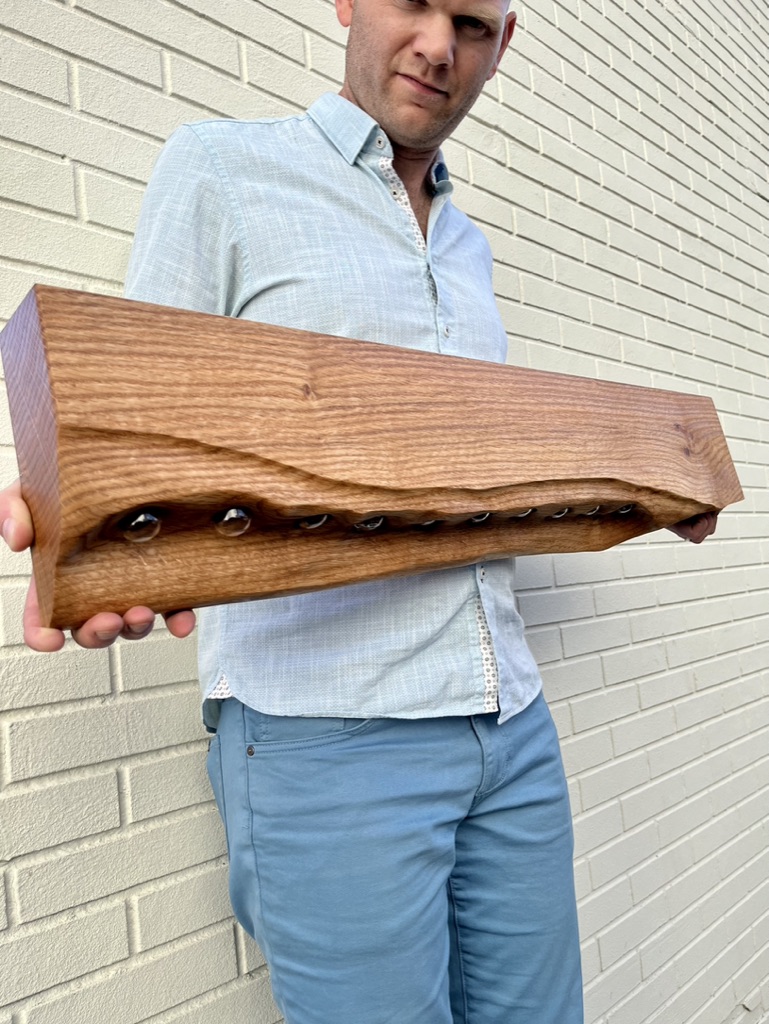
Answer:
(425, 88)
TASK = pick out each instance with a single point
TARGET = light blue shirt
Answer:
(302, 222)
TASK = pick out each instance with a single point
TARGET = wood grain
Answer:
(120, 406)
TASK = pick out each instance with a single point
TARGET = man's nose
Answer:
(436, 41)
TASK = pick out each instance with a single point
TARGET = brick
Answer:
(716, 671)
(749, 750)
(645, 729)
(658, 873)
(210, 90)
(667, 687)
(533, 48)
(586, 751)
(33, 69)
(325, 58)
(481, 138)
(594, 829)
(266, 68)
(86, 37)
(608, 782)
(32, 960)
(42, 182)
(147, 985)
(549, 234)
(602, 707)
(64, 133)
(537, 325)
(538, 111)
(622, 977)
(131, 105)
(122, 860)
(556, 606)
(248, 999)
(685, 818)
(649, 1007)
(545, 295)
(572, 678)
(614, 318)
(533, 571)
(168, 783)
(632, 663)
(111, 202)
(183, 905)
(565, 360)
(602, 907)
(50, 743)
(158, 661)
(482, 207)
(644, 300)
(681, 749)
(35, 819)
(578, 276)
(76, 248)
(15, 282)
(624, 596)
(558, 93)
(545, 645)
(12, 599)
(587, 567)
(507, 285)
(254, 22)
(624, 936)
(583, 638)
(172, 27)
(586, 338)
(600, 257)
(28, 679)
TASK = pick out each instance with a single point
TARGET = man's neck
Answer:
(413, 168)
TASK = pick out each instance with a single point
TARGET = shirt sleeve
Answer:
(186, 250)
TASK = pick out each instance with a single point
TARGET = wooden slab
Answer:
(122, 407)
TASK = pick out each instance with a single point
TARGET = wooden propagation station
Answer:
(176, 459)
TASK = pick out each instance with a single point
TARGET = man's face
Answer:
(417, 66)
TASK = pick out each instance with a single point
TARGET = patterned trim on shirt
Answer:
(221, 691)
(490, 669)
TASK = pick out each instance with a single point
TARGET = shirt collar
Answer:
(350, 130)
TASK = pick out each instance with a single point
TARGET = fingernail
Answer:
(107, 635)
(138, 630)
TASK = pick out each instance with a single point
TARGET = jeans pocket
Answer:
(262, 729)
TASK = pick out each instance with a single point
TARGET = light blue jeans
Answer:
(403, 872)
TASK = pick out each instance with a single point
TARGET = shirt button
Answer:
(447, 330)
(379, 142)
(395, 193)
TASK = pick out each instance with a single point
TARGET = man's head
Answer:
(417, 66)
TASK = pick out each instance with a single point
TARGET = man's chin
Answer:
(417, 132)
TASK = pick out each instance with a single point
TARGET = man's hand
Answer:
(697, 528)
(102, 629)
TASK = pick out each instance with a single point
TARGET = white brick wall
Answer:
(618, 164)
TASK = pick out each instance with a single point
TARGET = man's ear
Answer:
(344, 12)
(507, 35)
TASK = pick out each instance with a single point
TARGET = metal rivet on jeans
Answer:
(250, 751)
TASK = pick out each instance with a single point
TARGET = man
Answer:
(387, 770)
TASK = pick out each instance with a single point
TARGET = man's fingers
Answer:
(181, 623)
(103, 629)
(697, 528)
(39, 638)
(15, 520)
